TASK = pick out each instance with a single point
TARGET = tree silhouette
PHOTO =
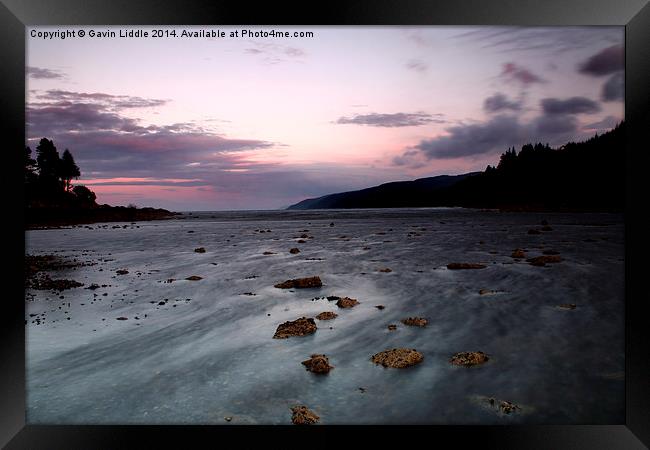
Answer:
(48, 162)
(68, 169)
(84, 195)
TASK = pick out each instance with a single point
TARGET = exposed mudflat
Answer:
(145, 329)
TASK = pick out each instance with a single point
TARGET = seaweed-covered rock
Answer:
(392, 327)
(469, 358)
(303, 416)
(327, 315)
(543, 260)
(194, 278)
(386, 270)
(486, 292)
(318, 364)
(567, 306)
(45, 283)
(200, 250)
(298, 327)
(398, 357)
(415, 321)
(461, 266)
(503, 406)
(347, 302)
(268, 253)
(301, 283)
(294, 250)
(518, 253)
(121, 272)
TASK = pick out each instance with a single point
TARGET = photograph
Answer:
(325, 225)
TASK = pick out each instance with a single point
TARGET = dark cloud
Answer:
(41, 73)
(392, 120)
(106, 100)
(417, 65)
(106, 142)
(605, 62)
(473, 139)
(553, 125)
(614, 88)
(550, 41)
(499, 102)
(573, 105)
(519, 74)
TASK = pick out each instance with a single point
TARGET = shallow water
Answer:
(212, 356)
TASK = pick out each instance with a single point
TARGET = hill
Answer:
(588, 175)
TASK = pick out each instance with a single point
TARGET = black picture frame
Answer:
(15, 15)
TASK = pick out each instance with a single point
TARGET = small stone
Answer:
(327, 315)
(303, 416)
(121, 272)
(200, 250)
(299, 327)
(302, 283)
(194, 278)
(294, 250)
(398, 358)
(392, 327)
(385, 270)
(461, 266)
(518, 253)
(415, 321)
(380, 307)
(318, 364)
(347, 302)
(469, 358)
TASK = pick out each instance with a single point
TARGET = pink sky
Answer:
(235, 123)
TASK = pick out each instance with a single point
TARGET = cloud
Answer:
(606, 123)
(392, 120)
(417, 65)
(550, 41)
(573, 105)
(513, 72)
(614, 88)
(41, 73)
(499, 102)
(106, 100)
(272, 53)
(605, 62)
(555, 124)
(473, 139)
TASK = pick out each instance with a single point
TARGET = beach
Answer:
(140, 343)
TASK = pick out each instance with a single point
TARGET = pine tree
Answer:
(68, 169)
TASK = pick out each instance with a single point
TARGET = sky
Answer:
(262, 122)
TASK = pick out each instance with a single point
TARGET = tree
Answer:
(68, 169)
(29, 166)
(84, 195)
(47, 160)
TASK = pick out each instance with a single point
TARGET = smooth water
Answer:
(200, 360)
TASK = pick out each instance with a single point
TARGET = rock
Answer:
(162, 303)
(194, 278)
(547, 228)
(268, 253)
(333, 297)
(93, 286)
(460, 266)
(304, 236)
(121, 272)
(380, 307)
(385, 270)
(518, 253)
(327, 315)
(543, 260)
(550, 252)
(200, 250)
(227, 419)
(294, 250)
(567, 306)
(392, 327)
(332, 224)
(301, 241)
(303, 416)
(415, 321)
(533, 231)
(298, 327)
(507, 407)
(398, 358)
(300, 283)
(347, 302)
(122, 318)
(318, 364)
(469, 358)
